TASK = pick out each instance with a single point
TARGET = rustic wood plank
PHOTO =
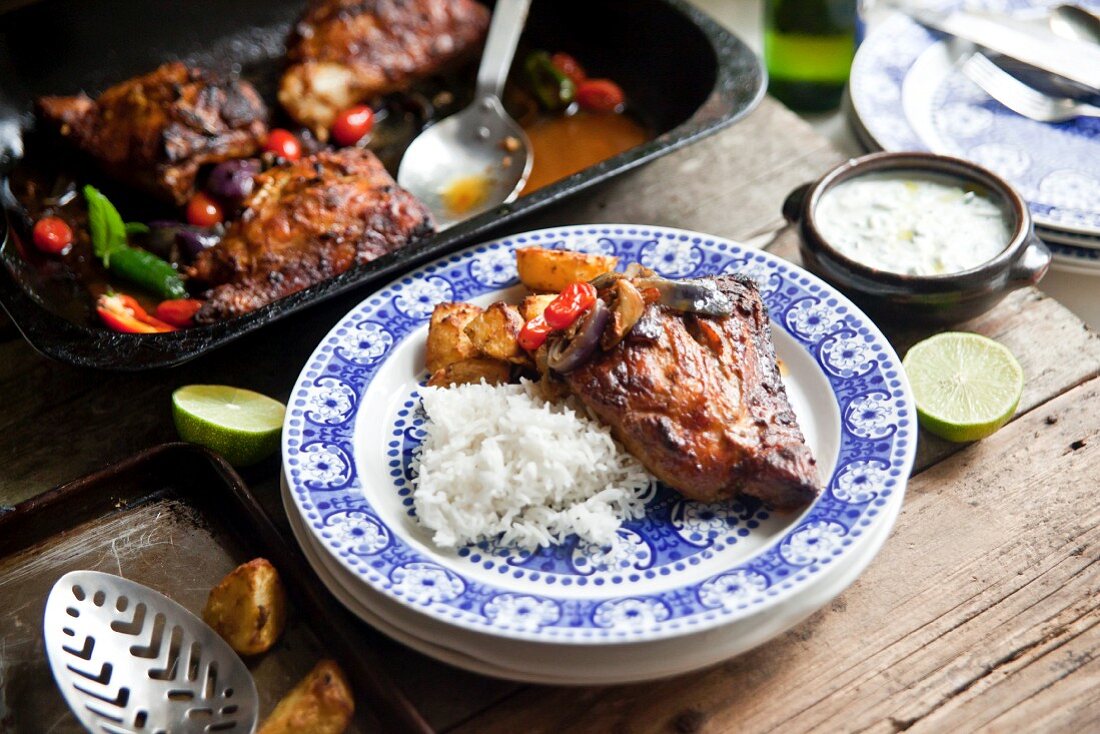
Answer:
(989, 577)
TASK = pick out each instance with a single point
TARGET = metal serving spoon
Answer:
(480, 148)
(1075, 23)
(129, 659)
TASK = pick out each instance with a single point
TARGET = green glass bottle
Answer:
(808, 48)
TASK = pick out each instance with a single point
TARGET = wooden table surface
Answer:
(981, 612)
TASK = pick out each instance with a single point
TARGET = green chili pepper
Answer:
(135, 265)
(550, 85)
(148, 271)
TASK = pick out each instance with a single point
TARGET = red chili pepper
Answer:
(179, 311)
(569, 305)
(534, 333)
(203, 211)
(122, 313)
(52, 235)
(352, 125)
(569, 66)
(284, 144)
(599, 95)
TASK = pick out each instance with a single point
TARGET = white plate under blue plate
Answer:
(908, 93)
(353, 425)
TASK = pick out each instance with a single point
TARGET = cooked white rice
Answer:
(499, 460)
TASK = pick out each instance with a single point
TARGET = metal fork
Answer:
(1019, 97)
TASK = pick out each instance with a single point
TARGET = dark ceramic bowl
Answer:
(939, 299)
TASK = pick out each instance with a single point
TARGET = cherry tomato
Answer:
(352, 125)
(534, 333)
(569, 305)
(284, 144)
(52, 235)
(569, 66)
(179, 311)
(599, 95)
(203, 211)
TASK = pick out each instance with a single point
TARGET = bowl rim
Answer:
(948, 166)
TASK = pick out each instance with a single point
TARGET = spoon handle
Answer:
(504, 32)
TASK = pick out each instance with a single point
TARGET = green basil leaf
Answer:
(136, 228)
(105, 223)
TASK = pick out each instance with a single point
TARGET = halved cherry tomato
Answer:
(122, 313)
(534, 333)
(569, 66)
(52, 235)
(352, 125)
(284, 144)
(599, 95)
(569, 305)
(203, 211)
(179, 311)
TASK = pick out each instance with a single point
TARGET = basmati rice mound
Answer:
(500, 461)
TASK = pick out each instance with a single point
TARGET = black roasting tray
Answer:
(686, 75)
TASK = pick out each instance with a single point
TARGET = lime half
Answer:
(241, 425)
(966, 386)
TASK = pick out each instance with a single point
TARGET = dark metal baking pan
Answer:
(686, 75)
(176, 518)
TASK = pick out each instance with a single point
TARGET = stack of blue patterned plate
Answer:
(907, 92)
(686, 586)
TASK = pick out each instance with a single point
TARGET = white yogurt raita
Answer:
(912, 223)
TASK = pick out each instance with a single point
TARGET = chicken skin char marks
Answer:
(343, 52)
(699, 401)
(156, 130)
(305, 222)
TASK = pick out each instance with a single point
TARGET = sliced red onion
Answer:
(566, 355)
(193, 240)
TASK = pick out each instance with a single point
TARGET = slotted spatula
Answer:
(129, 659)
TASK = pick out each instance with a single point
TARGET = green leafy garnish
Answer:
(106, 225)
(109, 235)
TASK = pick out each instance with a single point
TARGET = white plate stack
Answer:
(688, 585)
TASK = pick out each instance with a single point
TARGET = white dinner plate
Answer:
(556, 665)
(353, 426)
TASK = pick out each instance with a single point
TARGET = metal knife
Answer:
(1078, 62)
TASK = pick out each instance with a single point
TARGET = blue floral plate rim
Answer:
(876, 454)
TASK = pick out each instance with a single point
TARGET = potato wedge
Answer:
(534, 305)
(248, 607)
(552, 270)
(321, 703)
(494, 332)
(468, 371)
(447, 342)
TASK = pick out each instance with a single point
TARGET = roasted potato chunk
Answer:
(552, 270)
(321, 703)
(468, 371)
(533, 306)
(494, 333)
(447, 342)
(248, 607)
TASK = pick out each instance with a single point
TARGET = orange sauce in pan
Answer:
(562, 145)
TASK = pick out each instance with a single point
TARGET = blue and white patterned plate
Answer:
(909, 93)
(353, 425)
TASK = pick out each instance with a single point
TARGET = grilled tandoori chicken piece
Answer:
(699, 401)
(155, 131)
(343, 52)
(305, 222)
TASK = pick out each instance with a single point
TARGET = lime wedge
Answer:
(966, 386)
(241, 425)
